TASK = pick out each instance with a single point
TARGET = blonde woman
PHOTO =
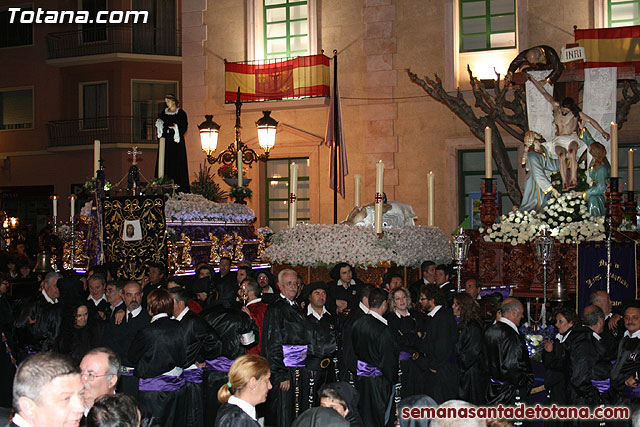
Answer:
(248, 386)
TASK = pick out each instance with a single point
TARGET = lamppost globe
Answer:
(209, 131)
(267, 127)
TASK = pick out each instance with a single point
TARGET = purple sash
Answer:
(162, 383)
(632, 393)
(365, 370)
(294, 356)
(493, 380)
(193, 375)
(405, 356)
(221, 364)
(601, 385)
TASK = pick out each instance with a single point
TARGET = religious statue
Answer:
(172, 125)
(185, 260)
(538, 164)
(567, 145)
(537, 58)
(394, 214)
(599, 171)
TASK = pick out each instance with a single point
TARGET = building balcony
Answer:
(109, 130)
(112, 41)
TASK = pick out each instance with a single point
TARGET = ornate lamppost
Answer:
(544, 252)
(461, 244)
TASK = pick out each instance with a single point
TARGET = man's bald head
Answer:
(512, 309)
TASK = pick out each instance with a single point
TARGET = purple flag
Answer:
(330, 139)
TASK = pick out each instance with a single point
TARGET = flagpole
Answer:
(336, 138)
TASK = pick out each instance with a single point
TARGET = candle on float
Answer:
(614, 150)
(161, 158)
(54, 198)
(96, 157)
(357, 178)
(72, 201)
(431, 189)
(240, 168)
(630, 169)
(293, 195)
(488, 159)
(379, 196)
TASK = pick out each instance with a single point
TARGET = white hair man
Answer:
(100, 369)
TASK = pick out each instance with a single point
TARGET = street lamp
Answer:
(209, 131)
(544, 251)
(461, 244)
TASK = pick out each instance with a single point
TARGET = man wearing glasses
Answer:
(99, 369)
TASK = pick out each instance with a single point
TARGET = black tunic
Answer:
(508, 365)
(571, 364)
(156, 349)
(373, 344)
(627, 365)
(348, 360)
(175, 154)
(601, 369)
(338, 292)
(405, 334)
(471, 370)
(439, 346)
(233, 416)
(283, 324)
(320, 357)
(229, 325)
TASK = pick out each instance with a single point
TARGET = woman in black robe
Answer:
(82, 337)
(404, 325)
(472, 375)
(172, 125)
(248, 386)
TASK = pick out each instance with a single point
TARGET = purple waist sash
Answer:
(405, 356)
(221, 364)
(601, 385)
(193, 375)
(493, 380)
(632, 393)
(294, 356)
(162, 383)
(363, 369)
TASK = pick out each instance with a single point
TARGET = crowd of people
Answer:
(247, 348)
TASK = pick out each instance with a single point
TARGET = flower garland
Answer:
(194, 207)
(321, 245)
(567, 218)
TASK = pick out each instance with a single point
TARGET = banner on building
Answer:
(134, 234)
(610, 47)
(301, 77)
(592, 272)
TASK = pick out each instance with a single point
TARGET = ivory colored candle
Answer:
(379, 196)
(293, 203)
(488, 159)
(431, 181)
(96, 157)
(614, 150)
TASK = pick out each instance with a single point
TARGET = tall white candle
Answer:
(96, 157)
(293, 195)
(240, 168)
(161, 158)
(614, 150)
(72, 201)
(431, 189)
(54, 198)
(630, 169)
(488, 159)
(357, 179)
(379, 195)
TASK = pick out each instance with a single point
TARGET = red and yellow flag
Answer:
(301, 77)
(611, 47)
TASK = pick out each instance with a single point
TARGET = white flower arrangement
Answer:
(86, 209)
(193, 207)
(567, 218)
(315, 245)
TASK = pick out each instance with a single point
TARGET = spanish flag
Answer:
(611, 47)
(301, 77)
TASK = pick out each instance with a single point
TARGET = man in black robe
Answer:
(624, 375)
(237, 332)
(113, 293)
(347, 360)
(439, 346)
(284, 343)
(97, 300)
(427, 276)
(226, 283)
(201, 343)
(321, 366)
(377, 363)
(156, 279)
(507, 358)
(342, 291)
(600, 370)
(613, 328)
(118, 337)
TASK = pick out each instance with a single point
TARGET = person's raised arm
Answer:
(544, 93)
(587, 119)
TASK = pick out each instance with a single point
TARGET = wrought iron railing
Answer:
(105, 39)
(112, 129)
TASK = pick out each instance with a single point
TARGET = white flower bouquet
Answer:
(186, 207)
(322, 245)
